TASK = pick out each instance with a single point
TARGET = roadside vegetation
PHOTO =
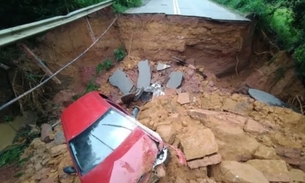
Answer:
(26, 11)
(283, 20)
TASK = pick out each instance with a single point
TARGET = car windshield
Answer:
(98, 141)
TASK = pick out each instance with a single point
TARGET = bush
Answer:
(283, 18)
(119, 54)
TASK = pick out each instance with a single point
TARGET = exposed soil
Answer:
(250, 137)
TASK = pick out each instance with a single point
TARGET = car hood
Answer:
(134, 157)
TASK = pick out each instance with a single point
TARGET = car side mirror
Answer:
(69, 169)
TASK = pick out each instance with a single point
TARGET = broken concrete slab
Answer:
(161, 66)
(175, 79)
(144, 74)
(119, 79)
(198, 146)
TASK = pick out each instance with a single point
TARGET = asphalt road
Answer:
(198, 8)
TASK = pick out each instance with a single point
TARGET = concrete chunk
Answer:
(119, 79)
(175, 79)
(144, 74)
(161, 67)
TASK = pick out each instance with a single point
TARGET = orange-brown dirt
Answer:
(248, 135)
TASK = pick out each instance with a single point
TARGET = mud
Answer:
(242, 128)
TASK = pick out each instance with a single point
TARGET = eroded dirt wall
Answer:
(159, 37)
(63, 44)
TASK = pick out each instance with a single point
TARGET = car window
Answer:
(98, 141)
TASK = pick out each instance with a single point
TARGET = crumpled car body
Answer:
(107, 144)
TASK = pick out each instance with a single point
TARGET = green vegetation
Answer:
(8, 118)
(91, 86)
(107, 64)
(282, 18)
(122, 5)
(119, 54)
(12, 154)
(26, 11)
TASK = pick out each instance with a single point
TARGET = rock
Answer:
(59, 138)
(227, 136)
(297, 175)
(57, 150)
(264, 152)
(254, 128)
(232, 171)
(200, 145)
(274, 170)
(183, 98)
(167, 133)
(208, 160)
(179, 180)
(45, 130)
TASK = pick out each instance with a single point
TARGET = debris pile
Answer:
(225, 137)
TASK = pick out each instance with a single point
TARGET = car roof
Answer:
(82, 113)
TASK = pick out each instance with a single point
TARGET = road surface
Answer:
(198, 8)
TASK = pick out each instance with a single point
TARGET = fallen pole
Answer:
(61, 69)
(40, 63)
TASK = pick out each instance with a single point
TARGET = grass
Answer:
(119, 54)
(91, 86)
(12, 154)
(106, 65)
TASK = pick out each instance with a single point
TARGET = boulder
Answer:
(198, 144)
(45, 130)
(232, 171)
(274, 170)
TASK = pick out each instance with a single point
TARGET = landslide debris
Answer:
(225, 137)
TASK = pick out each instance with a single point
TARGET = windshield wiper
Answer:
(102, 142)
(119, 126)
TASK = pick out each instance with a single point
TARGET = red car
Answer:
(108, 145)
